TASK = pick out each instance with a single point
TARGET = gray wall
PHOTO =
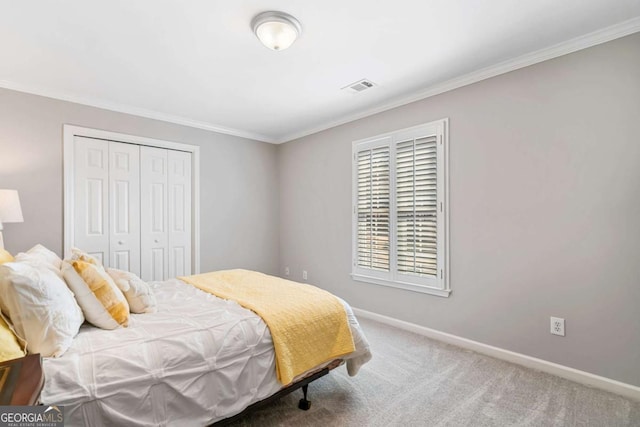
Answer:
(545, 201)
(545, 211)
(238, 194)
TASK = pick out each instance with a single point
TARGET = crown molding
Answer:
(135, 111)
(604, 35)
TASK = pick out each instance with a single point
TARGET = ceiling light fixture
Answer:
(276, 30)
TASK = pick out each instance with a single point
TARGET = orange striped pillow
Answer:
(102, 303)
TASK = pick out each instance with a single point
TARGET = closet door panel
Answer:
(91, 194)
(179, 213)
(153, 210)
(124, 186)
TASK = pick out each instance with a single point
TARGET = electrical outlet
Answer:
(557, 326)
(287, 271)
(304, 275)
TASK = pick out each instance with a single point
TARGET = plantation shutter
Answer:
(416, 206)
(373, 212)
(400, 207)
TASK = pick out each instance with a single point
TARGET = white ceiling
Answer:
(197, 62)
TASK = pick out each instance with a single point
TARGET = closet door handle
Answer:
(157, 241)
(120, 242)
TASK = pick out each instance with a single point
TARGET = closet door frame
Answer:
(69, 134)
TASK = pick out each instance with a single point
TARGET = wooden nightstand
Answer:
(21, 380)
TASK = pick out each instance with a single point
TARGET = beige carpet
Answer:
(414, 381)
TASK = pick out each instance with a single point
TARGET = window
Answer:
(400, 230)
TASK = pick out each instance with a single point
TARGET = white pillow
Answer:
(102, 303)
(40, 306)
(45, 255)
(37, 262)
(138, 293)
(39, 256)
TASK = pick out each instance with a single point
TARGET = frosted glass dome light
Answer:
(276, 30)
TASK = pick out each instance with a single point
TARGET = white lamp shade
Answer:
(10, 210)
(276, 30)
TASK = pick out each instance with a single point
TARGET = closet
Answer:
(131, 206)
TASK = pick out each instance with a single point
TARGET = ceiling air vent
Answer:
(359, 86)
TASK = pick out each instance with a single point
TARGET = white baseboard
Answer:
(582, 377)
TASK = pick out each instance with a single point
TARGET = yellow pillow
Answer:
(10, 347)
(102, 303)
(5, 256)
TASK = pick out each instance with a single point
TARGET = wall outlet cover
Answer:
(557, 326)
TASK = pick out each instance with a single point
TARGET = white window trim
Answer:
(71, 131)
(426, 285)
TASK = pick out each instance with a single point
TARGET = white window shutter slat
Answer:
(373, 177)
(416, 206)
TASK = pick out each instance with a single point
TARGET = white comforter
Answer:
(198, 360)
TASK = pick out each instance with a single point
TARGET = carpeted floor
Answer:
(415, 381)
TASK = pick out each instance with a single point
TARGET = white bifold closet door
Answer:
(132, 207)
(107, 202)
(91, 190)
(154, 178)
(179, 209)
(124, 215)
(165, 213)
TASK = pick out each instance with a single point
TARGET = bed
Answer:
(196, 361)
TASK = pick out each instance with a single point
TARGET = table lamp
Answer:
(10, 210)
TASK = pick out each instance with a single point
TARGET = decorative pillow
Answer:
(80, 255)
(137, 292)
(101, 301)
(40, 306)
(5, 256)
(10, 347)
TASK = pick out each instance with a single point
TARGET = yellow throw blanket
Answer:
(308, 325)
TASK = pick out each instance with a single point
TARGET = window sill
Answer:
(402, 285)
